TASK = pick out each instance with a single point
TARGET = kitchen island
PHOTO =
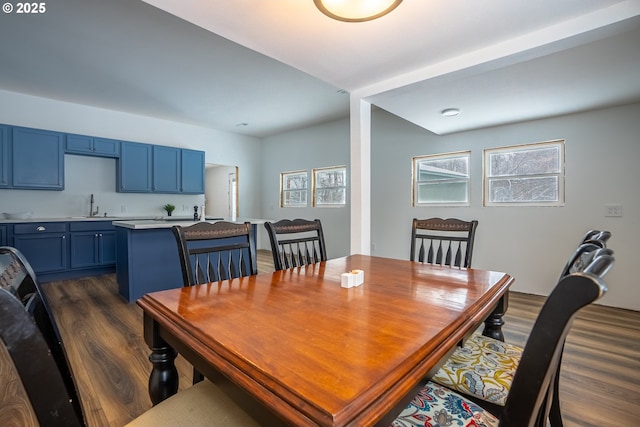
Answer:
(147, 255)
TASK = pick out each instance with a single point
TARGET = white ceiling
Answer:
(499, 61)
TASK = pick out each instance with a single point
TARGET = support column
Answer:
(360, 176)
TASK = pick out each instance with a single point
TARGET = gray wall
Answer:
(531, 243)
(305, 149)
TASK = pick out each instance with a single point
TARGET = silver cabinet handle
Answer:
(40, 228)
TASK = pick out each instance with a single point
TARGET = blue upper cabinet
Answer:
(135, 168)
(146, 168)
(4, 157)
(166, 169)
(92, 146)
(38, 159)
(192, 172)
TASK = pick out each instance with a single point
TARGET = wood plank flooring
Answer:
(600, 384)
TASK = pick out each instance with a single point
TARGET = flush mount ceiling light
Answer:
(450, 112)
(356, 10)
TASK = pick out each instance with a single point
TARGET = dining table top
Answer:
(317, 353)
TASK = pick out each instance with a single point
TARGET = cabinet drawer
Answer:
(91, 226)
(40, 227)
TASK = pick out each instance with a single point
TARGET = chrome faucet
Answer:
(91, 212)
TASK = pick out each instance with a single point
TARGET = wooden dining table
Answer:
(314, 352)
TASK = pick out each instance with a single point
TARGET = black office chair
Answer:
(482, 370)
(295, 243)
(29, 333)
(210, 252)
(531, 394)
(443, 241)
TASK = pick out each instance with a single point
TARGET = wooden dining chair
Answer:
(532, 387)
(483, 368)
(443, 241)
(210, 252)
(30, 338)
(295, 243)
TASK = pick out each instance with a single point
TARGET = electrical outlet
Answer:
(613, 210)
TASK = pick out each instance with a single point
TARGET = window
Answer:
(441, 179)
(531, 174)
(330, 186)
(293, 189)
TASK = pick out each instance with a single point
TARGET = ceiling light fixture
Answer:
(356, 10)
(450, 112)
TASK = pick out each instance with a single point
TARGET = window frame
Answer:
(560, 174)
(415, 175)
(314, 185)
(283, 176)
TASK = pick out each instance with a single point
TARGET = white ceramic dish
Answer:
(18, 215)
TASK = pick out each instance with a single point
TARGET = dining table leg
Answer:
(163, 380)
(493, 323)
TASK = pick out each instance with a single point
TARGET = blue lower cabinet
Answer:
(93, 244)
(65, 250)
(45, 245)
(92, 249)
(3, 235)
(148, 261)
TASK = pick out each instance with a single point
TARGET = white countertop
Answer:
(75, 218)
(164, 223)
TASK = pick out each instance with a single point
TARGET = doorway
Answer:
(221, 191)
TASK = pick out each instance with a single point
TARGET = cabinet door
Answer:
(106, 147)
(107, 248)
(80, 144)
(193, 171)
(45, 252)
(38, 159)
(134, 167)
(4, 156)
(3, 235)
(166, 169)
(84, 249)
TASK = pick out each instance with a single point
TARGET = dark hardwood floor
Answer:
(600, 383)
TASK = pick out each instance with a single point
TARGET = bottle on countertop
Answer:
(202, 218)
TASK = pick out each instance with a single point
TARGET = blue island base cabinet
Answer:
(146, 261)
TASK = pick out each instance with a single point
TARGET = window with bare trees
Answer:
(293, 189)
(330, 186)
(531, 174)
